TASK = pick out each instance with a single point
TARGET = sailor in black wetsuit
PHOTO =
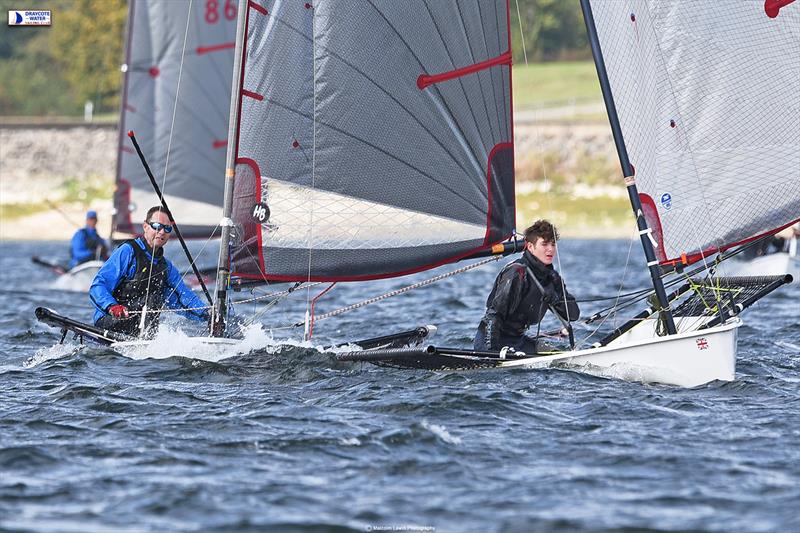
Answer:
(138, 273)
(516, 302)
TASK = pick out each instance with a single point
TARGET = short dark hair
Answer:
(541, 228)
(156, 209)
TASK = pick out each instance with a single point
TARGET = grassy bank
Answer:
(555, 84)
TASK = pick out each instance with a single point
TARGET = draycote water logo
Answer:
(19, 17)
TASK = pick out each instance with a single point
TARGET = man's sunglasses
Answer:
(158, 226)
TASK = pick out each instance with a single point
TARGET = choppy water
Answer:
(286, 439)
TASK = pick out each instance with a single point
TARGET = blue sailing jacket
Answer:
(122, 265)
(83, 246)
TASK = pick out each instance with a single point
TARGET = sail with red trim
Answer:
(194, 148)
(708, 98)
(374, 138)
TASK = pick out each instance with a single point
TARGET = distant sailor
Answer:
(87, 245)
(138, 273)
(516, 302)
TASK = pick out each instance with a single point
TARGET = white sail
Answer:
(708, 97)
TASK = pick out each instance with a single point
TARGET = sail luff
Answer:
(645, 233)
(219, 308)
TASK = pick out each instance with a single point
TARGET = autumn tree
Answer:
(88, 43)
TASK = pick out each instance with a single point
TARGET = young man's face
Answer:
(542, 250)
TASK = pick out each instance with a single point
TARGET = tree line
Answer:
(54, 70)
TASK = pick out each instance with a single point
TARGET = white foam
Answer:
(57, 351)
(441, 432)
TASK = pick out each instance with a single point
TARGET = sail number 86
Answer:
(212, 10)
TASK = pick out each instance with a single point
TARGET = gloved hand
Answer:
(550, 296)
(118, 311)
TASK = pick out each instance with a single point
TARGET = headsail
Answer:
(708, 96)
(156, 30)
(378, 135)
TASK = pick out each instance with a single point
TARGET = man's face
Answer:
(542, 250)
(156, 239)
(91, 222)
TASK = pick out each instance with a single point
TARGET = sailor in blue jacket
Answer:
(86, 244)
(132, 277)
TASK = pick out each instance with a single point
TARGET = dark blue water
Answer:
(287, 439)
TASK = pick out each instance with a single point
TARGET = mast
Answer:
(645, 234)
(219, 308)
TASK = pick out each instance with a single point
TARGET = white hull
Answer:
(766, 265)
(180, 350)
(78, 279)
(688, 359)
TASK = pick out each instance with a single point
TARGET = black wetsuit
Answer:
(516, 303)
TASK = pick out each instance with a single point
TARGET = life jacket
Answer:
(134, 292)
(530, 308)
(91, 242)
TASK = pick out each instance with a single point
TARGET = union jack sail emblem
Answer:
(702, 343)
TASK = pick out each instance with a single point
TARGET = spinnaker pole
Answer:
(645, 234)
(219, 307)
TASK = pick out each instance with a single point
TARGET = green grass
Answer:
(555, 84)
(577, 217)
(10, 212)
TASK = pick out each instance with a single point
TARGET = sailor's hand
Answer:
(118, 311)
(550, 296)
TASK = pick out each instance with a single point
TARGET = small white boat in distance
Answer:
(79, 278)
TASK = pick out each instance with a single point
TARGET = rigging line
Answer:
(193, 261)
(309, 302)
(401, 290)
(619, 295)
(166, 163)
(521, 33)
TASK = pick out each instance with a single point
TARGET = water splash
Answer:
(57, 351)
(441, 432)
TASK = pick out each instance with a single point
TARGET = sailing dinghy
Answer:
(372, 140)
(704, 102)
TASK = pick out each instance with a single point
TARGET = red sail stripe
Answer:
(425, 79)
(773, 7)
(253, 95)
(214, 48)
(261, 9)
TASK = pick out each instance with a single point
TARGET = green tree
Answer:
(553, 30)
(88, 43)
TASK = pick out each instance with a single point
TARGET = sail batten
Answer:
(365, 173)
(709, 105)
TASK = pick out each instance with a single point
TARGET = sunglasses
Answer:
(158, 226)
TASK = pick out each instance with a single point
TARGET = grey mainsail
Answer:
(377, 134)
(194, 148)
